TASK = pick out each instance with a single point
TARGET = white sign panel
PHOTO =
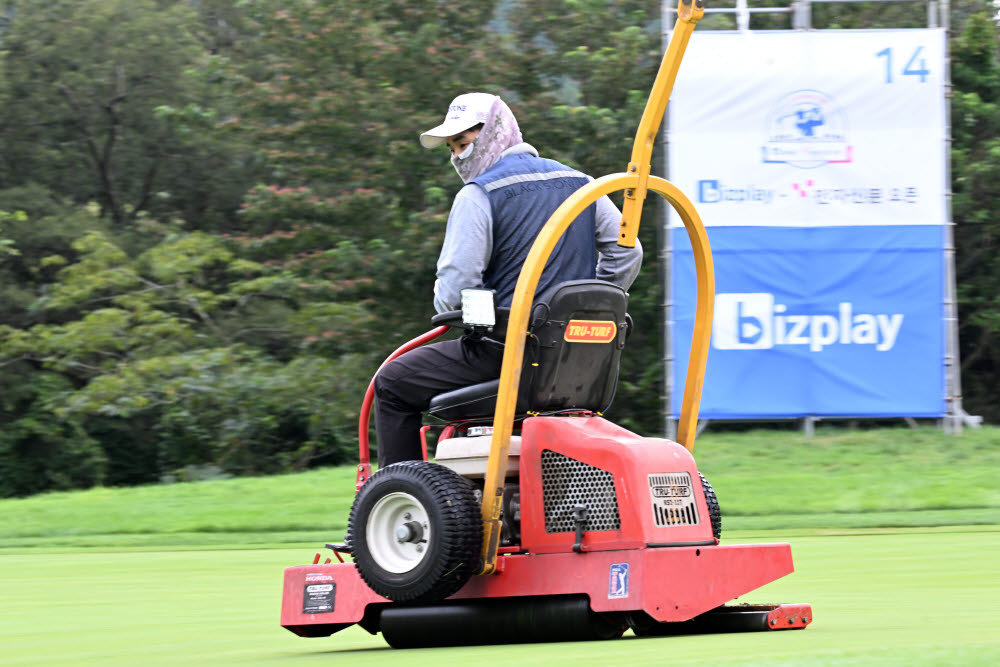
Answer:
(809, 129)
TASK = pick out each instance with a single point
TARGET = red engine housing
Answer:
(656, 497)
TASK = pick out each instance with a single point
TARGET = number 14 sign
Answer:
(916, 66)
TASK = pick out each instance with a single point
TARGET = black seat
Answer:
(571, 358)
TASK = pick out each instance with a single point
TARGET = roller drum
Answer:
(497, 621)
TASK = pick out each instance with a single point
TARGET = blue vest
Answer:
(524, 191)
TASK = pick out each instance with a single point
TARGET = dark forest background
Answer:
(216, 220)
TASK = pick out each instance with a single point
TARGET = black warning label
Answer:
(317, 598)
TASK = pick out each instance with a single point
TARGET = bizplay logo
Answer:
(755, 322)
(712, 191)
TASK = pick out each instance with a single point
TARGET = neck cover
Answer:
(498, 133)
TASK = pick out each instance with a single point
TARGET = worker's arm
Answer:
(614, 263)
(468, 245)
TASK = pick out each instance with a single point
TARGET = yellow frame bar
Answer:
(688, 14)
(635, 183)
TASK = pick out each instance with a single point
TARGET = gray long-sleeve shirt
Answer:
(468, 244)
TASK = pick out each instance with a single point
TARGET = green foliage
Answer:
(38, 451)
(83, 82)
(341, 89)
(7, 245)
(232, 407)
(215, 218)
(207, 356)
(975, 175)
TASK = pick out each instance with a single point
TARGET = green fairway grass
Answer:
(895, 535)
(911, 597)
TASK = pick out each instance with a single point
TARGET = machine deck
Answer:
(680, 588)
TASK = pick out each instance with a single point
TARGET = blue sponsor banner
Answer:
(817, 160)
(817, 321)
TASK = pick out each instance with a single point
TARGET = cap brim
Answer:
(428, 140)
(437, 136)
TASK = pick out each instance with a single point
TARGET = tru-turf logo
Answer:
(754, 321)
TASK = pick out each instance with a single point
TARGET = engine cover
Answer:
(633, 491)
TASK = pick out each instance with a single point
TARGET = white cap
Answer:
(464, 112)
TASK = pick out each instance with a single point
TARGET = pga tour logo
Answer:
(754, 321)
(618, 581)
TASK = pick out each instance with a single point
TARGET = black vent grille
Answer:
(567, 482)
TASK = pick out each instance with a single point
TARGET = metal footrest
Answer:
(731, 618)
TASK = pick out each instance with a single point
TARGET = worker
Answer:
(509, 195)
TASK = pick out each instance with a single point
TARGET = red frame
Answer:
(364, 452)
(671, 584)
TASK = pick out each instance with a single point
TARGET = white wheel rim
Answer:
(393, 515)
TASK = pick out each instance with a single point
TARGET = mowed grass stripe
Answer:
(920, 597)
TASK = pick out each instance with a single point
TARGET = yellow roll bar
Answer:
(636, 183)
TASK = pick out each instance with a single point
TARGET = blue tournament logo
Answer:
(618, 581)
(807, 129)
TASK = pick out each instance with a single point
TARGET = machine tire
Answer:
(415, 531)
(714, 513)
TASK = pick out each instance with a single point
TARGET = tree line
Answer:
(215, 218)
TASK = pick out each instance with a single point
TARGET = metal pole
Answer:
(742, 16)
(665, 241)
(953, 421)
(802, 16)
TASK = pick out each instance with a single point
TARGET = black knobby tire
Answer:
(714, 513)
(452, 517)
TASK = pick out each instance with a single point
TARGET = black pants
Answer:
(405, 386)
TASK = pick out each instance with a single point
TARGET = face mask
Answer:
(499, 133)
(461, 164)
